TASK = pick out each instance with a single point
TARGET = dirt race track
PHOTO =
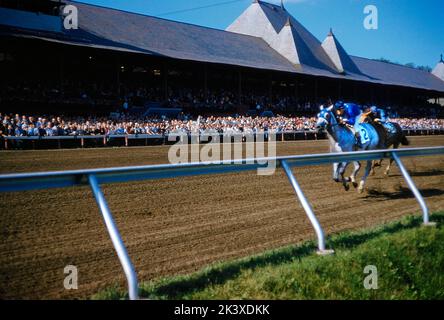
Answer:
(178, 226)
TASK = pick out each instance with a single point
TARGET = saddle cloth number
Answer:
(364, 135)
(390, 127)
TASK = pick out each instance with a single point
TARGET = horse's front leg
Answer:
(387, 170)
(345, 181)
(336, 172)
(364, 178)
(357, 167)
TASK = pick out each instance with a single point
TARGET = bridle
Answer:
(330, 113)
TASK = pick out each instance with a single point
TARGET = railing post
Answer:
(115, 238)
(306, 205)
(412, 186)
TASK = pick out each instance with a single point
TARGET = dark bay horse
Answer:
(394, 138)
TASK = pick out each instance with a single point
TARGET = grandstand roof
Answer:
(257, 39)
(439, 69)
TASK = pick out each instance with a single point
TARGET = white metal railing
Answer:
(95, 177)
(159, 136)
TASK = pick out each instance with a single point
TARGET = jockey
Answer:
(374, 114)
(378, 115)
(347, 114)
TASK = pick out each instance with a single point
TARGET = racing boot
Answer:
(358, 140)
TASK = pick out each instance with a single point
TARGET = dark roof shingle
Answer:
(120, 30)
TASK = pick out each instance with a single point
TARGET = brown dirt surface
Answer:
(178, 226)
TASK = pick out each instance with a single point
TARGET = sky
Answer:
(409, 31)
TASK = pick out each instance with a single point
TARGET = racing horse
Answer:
(342, 139)
(394, 137)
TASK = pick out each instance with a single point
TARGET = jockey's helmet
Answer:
(339, 105)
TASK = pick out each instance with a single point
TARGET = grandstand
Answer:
(124, 66)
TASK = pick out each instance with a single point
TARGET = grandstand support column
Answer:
(339, 90)
(117, 66)
(239, 73)
(165, 80)
(355, 91)
(296, 88)
(61, 71)
(270, 86)
(316, 90)
(205, 80)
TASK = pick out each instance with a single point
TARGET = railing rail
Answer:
(95, 177)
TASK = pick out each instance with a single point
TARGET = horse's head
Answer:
(325, 119)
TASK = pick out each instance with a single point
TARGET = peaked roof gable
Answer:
(338, 55)
(439, 70)
(272, 23)
(254, 22)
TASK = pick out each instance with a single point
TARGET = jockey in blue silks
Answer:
(378, 115)
(348, 114)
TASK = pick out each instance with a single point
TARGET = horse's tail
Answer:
(382, 134)
(404, 140)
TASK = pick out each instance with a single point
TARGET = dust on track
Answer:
(177, 226)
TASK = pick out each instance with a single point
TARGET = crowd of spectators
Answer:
(23, 125)
(201, 110)
(20, 125)
(101, 98)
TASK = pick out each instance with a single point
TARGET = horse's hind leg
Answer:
(378, 163)
(374, 165)
(345, 181)
(387, 170)
(357, 166)
(364, 178)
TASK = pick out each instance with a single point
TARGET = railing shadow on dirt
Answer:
(402, 193)
(220, 273)
(431, 173)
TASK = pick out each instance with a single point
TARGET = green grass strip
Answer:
(409, 259)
